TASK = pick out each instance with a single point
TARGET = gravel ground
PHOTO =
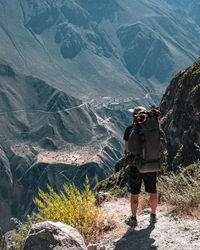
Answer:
(171, 232)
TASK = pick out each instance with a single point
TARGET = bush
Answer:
(182, 190)
(72, 207)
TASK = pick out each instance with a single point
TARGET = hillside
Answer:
(90, 49)
(69, 70)
(180, 110)
(49, 137)
(170, 232)
(180, 107)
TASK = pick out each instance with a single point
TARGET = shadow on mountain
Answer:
(49, 137)
(137, 240)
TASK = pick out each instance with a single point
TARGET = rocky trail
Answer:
(172, 231)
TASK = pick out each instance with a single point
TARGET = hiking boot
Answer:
(131, 221)
(153, 218)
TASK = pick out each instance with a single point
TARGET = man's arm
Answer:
(126, 135)
(126, 146)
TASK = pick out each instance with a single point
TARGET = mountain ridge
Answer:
(60, 59)
(49, 137)
(66, 44)
(181, 117)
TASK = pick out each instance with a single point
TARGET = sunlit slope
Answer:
(100, 48)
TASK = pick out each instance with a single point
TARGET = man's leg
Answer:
(134, 204)
(150, 180)
(135, 185)
(153, 202)
(132, 221)
(135, 182)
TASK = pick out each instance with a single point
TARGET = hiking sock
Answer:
(153, 218)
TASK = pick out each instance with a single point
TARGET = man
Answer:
(136, 179)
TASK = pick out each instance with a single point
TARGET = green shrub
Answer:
(71, 207)
(182, 189)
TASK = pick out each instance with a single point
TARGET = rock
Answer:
(180, 107)
(101, 197)
(40, 16)
(6, 70)
(96, 247)
(3, 243)
(92, 247)
(45, 141)
(48, 143)
(53, 235)
(134, 52)
(102, 248)
(70, 39)
(9, 239)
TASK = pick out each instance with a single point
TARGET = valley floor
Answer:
(171, 232)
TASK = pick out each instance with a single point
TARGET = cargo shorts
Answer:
(136, 178)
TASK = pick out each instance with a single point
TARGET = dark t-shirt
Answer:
(127, 132)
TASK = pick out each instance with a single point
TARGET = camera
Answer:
(142, 117)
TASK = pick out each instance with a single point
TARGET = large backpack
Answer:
(147, 142)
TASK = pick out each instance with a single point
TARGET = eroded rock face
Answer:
(181, 109)
(49, 137)
(139, 42)
(117, 182)
(69, 17)
(98, 48)
(53, 235)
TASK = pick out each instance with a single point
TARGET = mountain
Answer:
(180, 119)
(180, 106)
(91, 49)
(49, 137)
(68, 70)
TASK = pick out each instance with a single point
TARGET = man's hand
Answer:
(129, 158)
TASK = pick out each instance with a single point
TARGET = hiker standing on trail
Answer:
(144, 145)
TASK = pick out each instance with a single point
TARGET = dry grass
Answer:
(70, 207)
(182, 190)
(73, 208)
(196, 213)
(144, 201)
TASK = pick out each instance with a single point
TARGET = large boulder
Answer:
(53, 235)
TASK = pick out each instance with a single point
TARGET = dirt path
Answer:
(171, 232)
